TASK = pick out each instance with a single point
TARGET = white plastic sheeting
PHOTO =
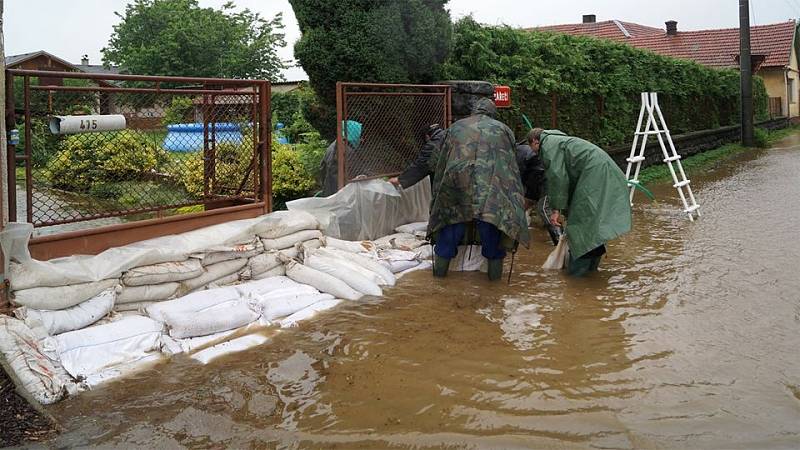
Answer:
(26, 272)
(365, 210)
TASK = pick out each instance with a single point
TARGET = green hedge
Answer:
(596, 82)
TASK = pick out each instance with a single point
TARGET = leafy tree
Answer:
(178, 37)
(389, 41)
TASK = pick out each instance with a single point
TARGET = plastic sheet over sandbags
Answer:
(69, 319)
(213, 273)
(282, 223)
(91, 350)
(41, 376)
(418, 229)
(62, 297)
(365, 210)
(163, 273)
(220, 253)
(290, 239)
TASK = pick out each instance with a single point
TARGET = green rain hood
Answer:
(583, 180)
(477, 177)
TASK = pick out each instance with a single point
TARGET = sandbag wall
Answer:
(83, 320)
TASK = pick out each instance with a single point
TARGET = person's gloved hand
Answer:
(555, 218)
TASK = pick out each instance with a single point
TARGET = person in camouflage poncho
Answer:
(477, 188)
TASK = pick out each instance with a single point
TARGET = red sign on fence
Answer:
(502, 96)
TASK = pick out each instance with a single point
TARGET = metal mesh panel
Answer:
(185, 147)
(394, 119)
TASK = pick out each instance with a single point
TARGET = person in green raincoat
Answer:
(477, 191)
(586, 185)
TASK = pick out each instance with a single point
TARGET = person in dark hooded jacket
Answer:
(329, 166)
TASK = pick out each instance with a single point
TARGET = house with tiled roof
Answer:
(774, 48)
(42, 60)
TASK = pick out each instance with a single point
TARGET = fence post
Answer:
(266, 145)
(11, 150)
(553, 111)
(28, 153)
(340, 97)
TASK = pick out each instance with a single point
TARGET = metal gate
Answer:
(393, 118)
(187, 145)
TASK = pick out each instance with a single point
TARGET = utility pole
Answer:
(746, 71)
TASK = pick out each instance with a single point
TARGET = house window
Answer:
(792, 94)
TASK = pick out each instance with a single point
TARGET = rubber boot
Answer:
(495, 269)
(440, 266)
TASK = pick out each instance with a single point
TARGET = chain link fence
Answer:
(393, 119)
(134, 147)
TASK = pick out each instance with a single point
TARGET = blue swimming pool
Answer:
(188, 137)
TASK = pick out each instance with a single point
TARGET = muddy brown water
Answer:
(688, 337)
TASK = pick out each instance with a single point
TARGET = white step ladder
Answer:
(657, 126)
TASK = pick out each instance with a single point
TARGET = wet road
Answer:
(688, 337)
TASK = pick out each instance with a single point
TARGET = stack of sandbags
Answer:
(399, 253)
(145, 285)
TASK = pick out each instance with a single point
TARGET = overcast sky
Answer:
(71, 28)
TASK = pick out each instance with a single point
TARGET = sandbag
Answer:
(163, 273)
(44, 378)
(424, 265)
(308, 312)
(234, 345)
(79, 316)
(211, 320)
(226, 281)
(282, 223)
(222, 253)
(55, 298)
(195, 301)
(266, 286)
(291, 252)
(213, 273)
(322, 281)
(397, 266)
(274, 272)
(291, 239)
(278, 306)
(93, 349)
(468, 259)
(424, 253)
(147, 293)
(400, 241)
(363, 261)
(349, 265)
(263, 262)
(137, 307)
(558, 258)
(353, 279)
(348, 246)
(313, 244)
(413, 228)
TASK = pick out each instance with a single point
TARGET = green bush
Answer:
(760, 138)
(596, 82)
(86, 160)
(179, 111)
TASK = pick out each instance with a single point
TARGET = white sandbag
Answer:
(172, 346)
(308, 312)
(235, 345)
(558, 258)
(209, 321)
(79, 316)
(310, 245)
(282, 223)
(397, 266)
(195, 301)
(353, 279)
(274, 272)
(220, 253)
(368, 274)
(291, 252)
(123, 370)
(322, 281)
(291, 239)
(266, 286)
(278, 306)
(147, 293)
(424, 252)
(263, 262)
(400, 241)
(396, 255)
(348, 246)
(137, 307)
(44, 378)
(93, 349)
(213, 273)
(413, 228)
(424, 265)
(163, 273)
(363, 261)
(227, 281)
(55, 298)
(468, 259)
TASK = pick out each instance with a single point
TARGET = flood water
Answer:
(689, 336)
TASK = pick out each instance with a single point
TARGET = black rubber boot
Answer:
(495, 269)
(440, 266)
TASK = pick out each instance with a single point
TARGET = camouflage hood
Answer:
(484, 106)
(476, 176)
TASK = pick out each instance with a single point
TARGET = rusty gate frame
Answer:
(341, 113)
(95, 240)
